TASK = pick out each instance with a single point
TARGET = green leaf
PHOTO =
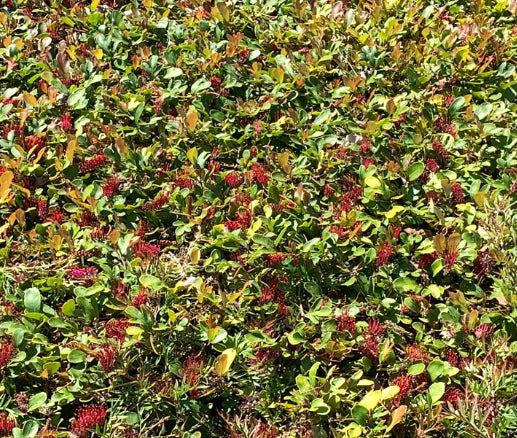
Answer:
(151, 282)
(76, 356)
(435, 369)
(32, 300)
(416, 369)
(482, 111)
(415, 170)
(436, 391)
(76, 97)
(319, 406)
(37, 400)
(68, 308)
(455, 107)
(360, 414)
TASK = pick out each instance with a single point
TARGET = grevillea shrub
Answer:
(255, 219)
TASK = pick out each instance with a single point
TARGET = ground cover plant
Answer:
(258, 219)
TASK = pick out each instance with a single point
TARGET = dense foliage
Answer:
(258, 219)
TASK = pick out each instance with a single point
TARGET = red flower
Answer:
(371, 348)
(145, 250)
(432, 165)
(375, 328)
(185, 182)
(242, 222)
(483, 331)
(416, 352)
(405, 383)
(483, 264)
(345, 322)
(82, 273)
(457, 192)
(93, 163)
(259, 174)
(106, 357)
(6, 424)
(111, 186)
(427, 260)
(88, 417)
(452, 395)
(449, 258)
(66, 122)
(36, 142)
(274, 259)
(234, 179)
(395, 231)
(116, 329)
(216, 82)
(6, 351)
(383, 254)
(156, 204)
(452, 357)
(273, 294)
(440, 150)
(140, 299)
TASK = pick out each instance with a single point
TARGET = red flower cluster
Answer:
(483, 330)
(259, 174)
(66, 122)
(192, 372)
(6, 351)
(452, 395)
(483, 264)
(432, 165)
(457, 192)
(452, 357)
(82, 273)
(383, 254)
(116, 329)
(405, 383)
(88, 417)
(93, 163)
(140, 299)
(440, 150)
(6, 424)
(444, 124)
(349, 198)
(242, 222)
(375, 328)
(449, 258)
(273, 294)
(111, 186)
(184, 182)
(36, 142)
(234, 179)
(56, 215)
(216, 82)
(274, 259)
(427, 259)
(345, 322)
(416, 352)
(156, 204)
(145, 250)
(106, 357)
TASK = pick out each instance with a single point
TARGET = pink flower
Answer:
(66, 122)
(6, 424)
(82, 273)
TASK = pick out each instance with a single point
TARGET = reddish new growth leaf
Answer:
(82, 273)
(116, 329)
(66, 122)
(6, 424)
(6, 351)
(383, 254)
(156, 204)
(457, 192)
(93, 163)
(106, 356)
(87, 418)
(234, 179)
(111, 186)
(145, 250)
(258, 173)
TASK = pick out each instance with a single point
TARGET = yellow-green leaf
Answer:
(393, 212)
(389, 392)
(224, 361)
(371, 400)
